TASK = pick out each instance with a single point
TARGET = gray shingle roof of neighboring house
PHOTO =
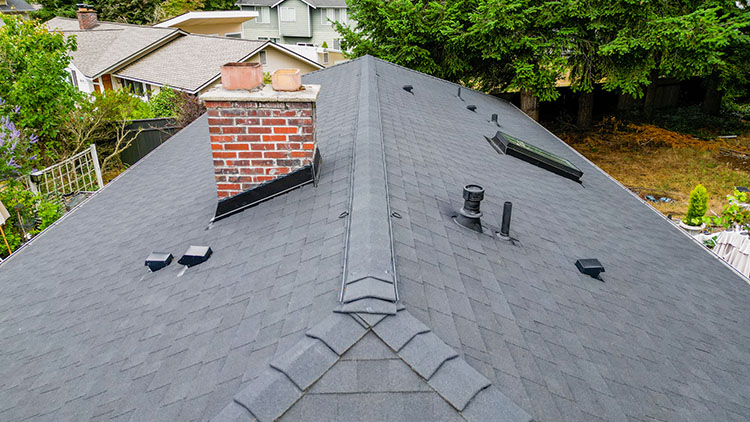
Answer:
(110, 45)
(175, 64)
(484, 329)
(314, 3)
(15, 6)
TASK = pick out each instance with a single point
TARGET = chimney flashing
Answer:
(308, 94)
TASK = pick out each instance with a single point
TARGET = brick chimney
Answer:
(259, 137)
(87, 18)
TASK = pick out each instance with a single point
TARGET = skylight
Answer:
(535, 155)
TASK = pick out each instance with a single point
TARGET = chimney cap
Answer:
(308, 94)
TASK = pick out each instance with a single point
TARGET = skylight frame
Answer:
(523, 150)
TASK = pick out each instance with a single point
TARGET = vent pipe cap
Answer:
(590, 266)
(505, 228)
(470, 214)
(195, 255)
(158, 260)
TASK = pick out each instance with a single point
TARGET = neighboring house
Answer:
(144, 58)
(324, 56)
(296, 21)
(15, 7)
(226, 23)
(192, 63)
(359, 297)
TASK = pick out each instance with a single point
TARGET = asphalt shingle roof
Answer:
(485, 329)
(174, 64)
(109, 44)
(15, 6)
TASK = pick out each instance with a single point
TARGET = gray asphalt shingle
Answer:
(86, 332)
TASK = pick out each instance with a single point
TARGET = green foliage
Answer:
(164, 103)
(267, 78)
(16, 147)
(697, 206)
(324, 45)
(33, 77)
(734, 214)
(140, 12)
(29, 214)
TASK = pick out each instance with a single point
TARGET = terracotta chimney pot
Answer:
(236, 76)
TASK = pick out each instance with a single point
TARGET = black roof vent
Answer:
(195, 255)
(408, 88)
(535, 155)
(505, 228)
(158, 260)
(493, 119)
(459, 94)
(472, 107)
(470, 215)
(590, 266)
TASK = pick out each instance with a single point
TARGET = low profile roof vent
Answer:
(195, 255)
(471, 107)
(408, 88)
(470, 215)
(591, 267)
(158, 260)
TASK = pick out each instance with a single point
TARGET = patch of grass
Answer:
(690, 120)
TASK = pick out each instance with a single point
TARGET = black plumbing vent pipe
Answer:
(459, 94)
(470, 215)
(505, 228)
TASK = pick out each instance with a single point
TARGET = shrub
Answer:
(16, 147)
(29, 214)
(164, 103)
(697, 206)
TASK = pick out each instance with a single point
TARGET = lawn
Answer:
(657, 162)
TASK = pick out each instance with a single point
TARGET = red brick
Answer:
(237, 146)
(264, 178)
(251, 170)
(300, 122)
(216, 146)
(220, 122)
(248, 138)
(215, 104)
(285, 113)
(222, 138)
(232, 129)
(259, 130)
(214, 129)
(221, 194)
(241, 163)
(300, 138)
(262, 163)
(218, 163)
(308, 146)
(288, 146)
(249, 154)
(228, 186)
(307, 129)
(213, 113)
(274, 138)
(278, 170)
(274, 122)
(305, 113)
(301, 154)
(276, 154)
(246, 121)
(223, 154)
(285, 129)
(245, 179)
(233, 112)
(262, 146)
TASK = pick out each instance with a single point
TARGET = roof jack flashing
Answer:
(520, 149)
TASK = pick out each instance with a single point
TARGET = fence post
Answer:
(32, 186)
(97, 169)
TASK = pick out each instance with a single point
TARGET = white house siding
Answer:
(325, 33)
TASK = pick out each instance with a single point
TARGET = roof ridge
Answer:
(369, 282)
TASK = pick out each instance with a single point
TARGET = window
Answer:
(262, 57)
(327, 16)
(98, 86)
(233, 35)
(343, 16)
(288, 14)
(135, 87)
(264, 14)
(325, 58)
(305, 44)
(73, 78)
(337, 44)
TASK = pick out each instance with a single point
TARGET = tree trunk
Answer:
(650, 101)
(530, 104)
(712, 99)
(585, 110)
(626, 102)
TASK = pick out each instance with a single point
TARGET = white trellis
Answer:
(78, 174)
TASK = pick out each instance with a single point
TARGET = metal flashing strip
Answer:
(369, 278)
(268, 190)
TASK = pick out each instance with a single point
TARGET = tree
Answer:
(16, 148)
(34, 80)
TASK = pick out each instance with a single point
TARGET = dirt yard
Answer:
(658, 163)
